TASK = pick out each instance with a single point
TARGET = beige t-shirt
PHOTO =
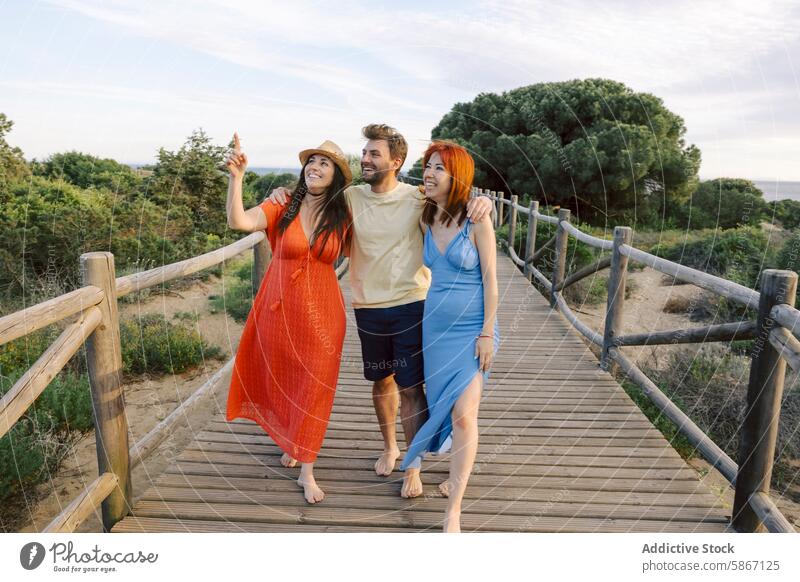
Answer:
(386, 256)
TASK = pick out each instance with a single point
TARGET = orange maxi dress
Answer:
(287, 364)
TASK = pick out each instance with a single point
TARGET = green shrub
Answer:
(153, 344)
(236, 299)
(710, 386)
(724, 203)
(786, 212)
(738, 255)
(39, 440)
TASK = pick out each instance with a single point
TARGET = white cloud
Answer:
(369, 61)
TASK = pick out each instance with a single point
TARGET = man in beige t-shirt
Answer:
(389, 284)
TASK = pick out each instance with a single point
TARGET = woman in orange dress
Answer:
(287, 364)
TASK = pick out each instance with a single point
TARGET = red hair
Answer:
(461, 167)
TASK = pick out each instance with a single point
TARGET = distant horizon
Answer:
(296, 170)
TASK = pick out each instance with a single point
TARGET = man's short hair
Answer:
(398, 148)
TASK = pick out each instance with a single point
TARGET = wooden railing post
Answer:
(764, 391)
(530, 238)
(104, 359)
(500, 208)
(615, 301)
(261, 257)
(560, 261)
(497, 205)
(512, 222)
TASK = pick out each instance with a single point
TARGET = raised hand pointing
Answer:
(236, 160)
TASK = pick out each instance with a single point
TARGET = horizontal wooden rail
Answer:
(543, 281)
(788, 317)
(540, 251)
(603, 263)
(547, 218)
(138, 281)
(21, 323)
(590, 240)
(83, 505)
(520, 208)
(515, 257)
(723, 287)
(787, 345)
(707, 448)
(769, 514)
(725, 332)
(148, 443)
(33, 382)
(588, 333)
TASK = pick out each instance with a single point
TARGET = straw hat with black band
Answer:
(332, 151)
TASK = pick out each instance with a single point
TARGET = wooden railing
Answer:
(775, 331)
(97, 324)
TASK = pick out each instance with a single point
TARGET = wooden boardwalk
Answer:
(562, 449)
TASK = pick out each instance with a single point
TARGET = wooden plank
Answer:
(554, 507)
(489, 466)
(160, 275)
(21, 323)
(133, 524)
(149, 442)
(507, 455)
(33, 382)
(531, 428)
(508, 436)
(84, 505)
(332, 445)
(392, 488)
(364, 478)
(419, 520)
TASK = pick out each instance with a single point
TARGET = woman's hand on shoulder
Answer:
(479, 209)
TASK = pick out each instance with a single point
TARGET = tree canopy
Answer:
(87, 171)
(12, 162)
(592, 145)
(725, 203)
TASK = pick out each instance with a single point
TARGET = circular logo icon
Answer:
(31, 555)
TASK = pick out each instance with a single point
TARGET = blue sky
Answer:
(119, 78)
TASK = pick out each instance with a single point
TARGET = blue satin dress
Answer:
(453, 319)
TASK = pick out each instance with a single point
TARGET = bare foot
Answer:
(445, 487)
(412, 484)
(288, 461)
(385, 463)
(452, 522)
(311, 490)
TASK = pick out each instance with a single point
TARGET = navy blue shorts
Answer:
(391, 342)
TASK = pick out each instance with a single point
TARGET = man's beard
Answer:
(374, 177)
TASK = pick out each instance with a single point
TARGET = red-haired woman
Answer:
(459, 327)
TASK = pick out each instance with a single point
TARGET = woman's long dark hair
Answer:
(334, 210)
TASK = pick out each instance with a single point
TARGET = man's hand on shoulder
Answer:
(479, 208)
(280, 196)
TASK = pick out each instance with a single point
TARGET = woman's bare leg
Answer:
(465, 448)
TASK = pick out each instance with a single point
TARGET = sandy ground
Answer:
(147, 402)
